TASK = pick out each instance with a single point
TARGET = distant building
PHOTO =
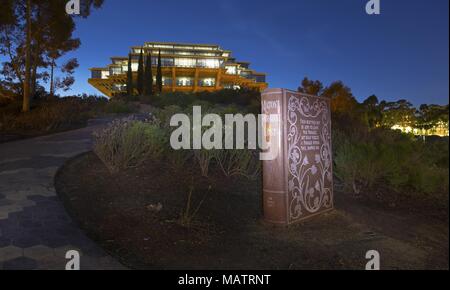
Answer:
(185, 68)
(439, 129)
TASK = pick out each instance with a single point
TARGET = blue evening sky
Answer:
(402, 53)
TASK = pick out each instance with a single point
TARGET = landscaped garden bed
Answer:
(137, 216)
(155, 208)
(51, 115)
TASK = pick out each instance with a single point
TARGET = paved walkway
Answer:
(35, 230)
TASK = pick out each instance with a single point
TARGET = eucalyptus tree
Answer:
(33, 35)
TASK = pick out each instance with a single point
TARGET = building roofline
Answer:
(181, 43)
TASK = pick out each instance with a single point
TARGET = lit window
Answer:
(96, 74)
(207, 53)
(115, 71)
(185, 62)
(119, 87)
(184, 47)
(162, 46)
(185, 82)
(208, 82)
(167, 81)
(164, 61)
(105, 74)
(208, 63)
(204, 48)
(231, 70)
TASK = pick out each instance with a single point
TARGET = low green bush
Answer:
(120, 107)
(179, 158)
(50, 114)
(173, 98)
(127, 143)
(238, 162)
(250, 100)
(203, 159)
(388, 159)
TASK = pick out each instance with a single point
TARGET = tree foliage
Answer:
(159, 82)
(148, 76)
(140, 76)
(129, 77)
(34, 34)
(373, 113)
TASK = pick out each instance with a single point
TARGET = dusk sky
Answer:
(401, 54)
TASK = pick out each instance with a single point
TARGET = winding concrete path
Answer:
(35, 230)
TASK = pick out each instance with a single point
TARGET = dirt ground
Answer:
(135, 216)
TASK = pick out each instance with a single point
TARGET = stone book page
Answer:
(309, 155)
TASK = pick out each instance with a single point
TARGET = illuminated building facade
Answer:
(185, 68)
(439, 129)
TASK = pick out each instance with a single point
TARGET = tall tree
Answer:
(29, 31)
(148, 86)
(129, 77)
(140, 76)
(311, 87)
(373, 111)
(64, 83)
(26, 85)
(400, 113)
(159, 83)
(342, 99)
(429, 116)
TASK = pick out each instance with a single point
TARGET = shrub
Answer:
(391, 160)
(179, 158)
(164, 115)
(120, 107)
(238, 162)
(203, 158)
(173, 98)
(188, 214)
(49, 114)
(249, 99)
(127, 143)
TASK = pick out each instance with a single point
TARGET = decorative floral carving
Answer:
(310, 181)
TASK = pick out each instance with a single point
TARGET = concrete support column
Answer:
(196, 80)
(174, 79)
(218, 79)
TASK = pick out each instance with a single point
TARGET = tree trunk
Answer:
(52, 84)
(26, 84)
(34, 66)
(33, 82)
